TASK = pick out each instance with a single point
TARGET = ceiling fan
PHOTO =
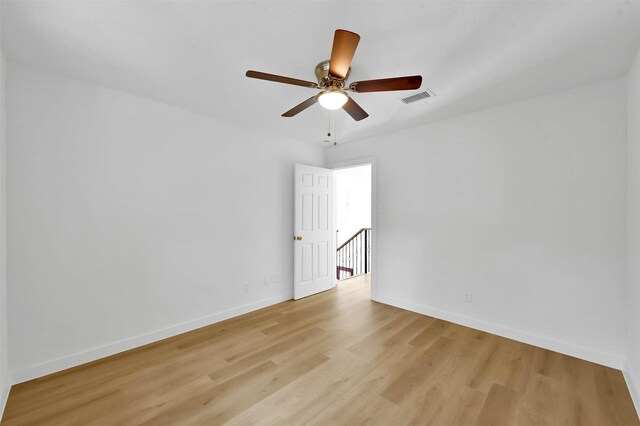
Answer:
(332, 76)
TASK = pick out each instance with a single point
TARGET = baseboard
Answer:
(603, 358)
(79, 358)
(4, 395)
(633, 383)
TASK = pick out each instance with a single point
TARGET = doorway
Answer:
(315, 243)
(353, 219)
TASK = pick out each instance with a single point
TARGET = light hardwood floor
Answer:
(333, 358)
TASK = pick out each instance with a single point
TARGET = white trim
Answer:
(593, 355)
(79, 358)
(4, 395)
(373, 161)
(632, 383)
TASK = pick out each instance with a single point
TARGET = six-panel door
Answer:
(313, 230)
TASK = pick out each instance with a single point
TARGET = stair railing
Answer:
(353, 257)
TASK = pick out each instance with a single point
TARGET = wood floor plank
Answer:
(515, 365)
(308, 396)
(408, 333)
(430, 334)
(378, 337)
(221, 413)
(614, 401)
(418, 373)
(580, 394)
(540, 402)
(366, 386)
(487, 365)
(24, 394)
(334, 358)
(547, 363)
(499, 408)
(219, 397)
(435, 399)
(462, 408)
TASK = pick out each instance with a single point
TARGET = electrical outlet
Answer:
(275, 278)
(245, 287)
(467, 297)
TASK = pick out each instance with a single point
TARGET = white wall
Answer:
(523, 206)
(632, 371)
(353, 201)
(4, 380)
(128, 217)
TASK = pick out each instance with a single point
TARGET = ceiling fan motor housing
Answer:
(325, 80)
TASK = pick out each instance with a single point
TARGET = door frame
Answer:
(338, 165)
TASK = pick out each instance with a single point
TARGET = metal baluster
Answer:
(351, 256)
(366, 252)
(360, 254)
(369, 248)
(357, 257)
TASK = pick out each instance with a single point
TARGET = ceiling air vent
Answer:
(418, 96)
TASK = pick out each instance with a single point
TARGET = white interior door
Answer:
(314, 252)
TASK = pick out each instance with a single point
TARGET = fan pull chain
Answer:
(335, 130)
(332, 119)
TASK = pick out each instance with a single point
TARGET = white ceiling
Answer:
(193, 54)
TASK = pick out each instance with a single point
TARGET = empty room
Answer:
(319, 212)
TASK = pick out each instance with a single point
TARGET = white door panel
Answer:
(313, 255)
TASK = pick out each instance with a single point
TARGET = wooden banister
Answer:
(353, 237)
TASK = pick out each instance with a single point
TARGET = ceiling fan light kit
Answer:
(333, 99)
(332, 76)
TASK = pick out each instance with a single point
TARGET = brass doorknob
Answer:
(297, 237)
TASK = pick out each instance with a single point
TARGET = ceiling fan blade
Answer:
(301, 107)
(355, 110)
(280, 79)
(344, 46)
(387, 84)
